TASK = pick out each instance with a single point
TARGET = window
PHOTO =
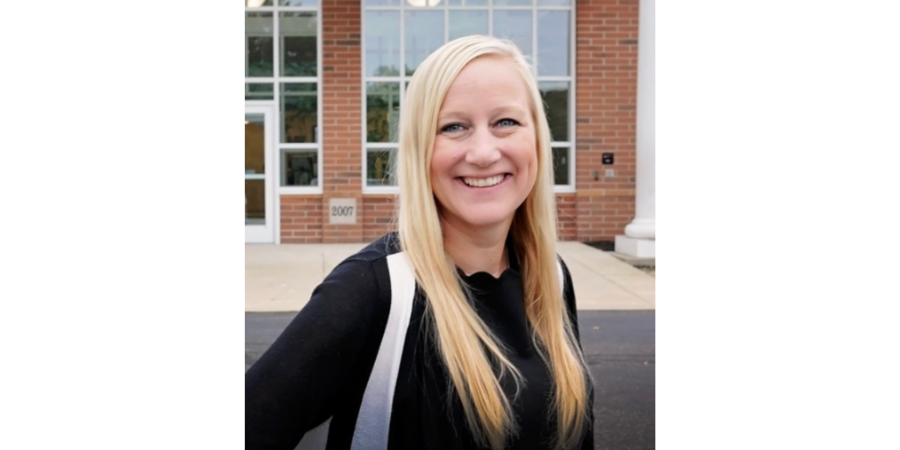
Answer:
(282, 51)
(399, 34)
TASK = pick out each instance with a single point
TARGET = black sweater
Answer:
(319, 366)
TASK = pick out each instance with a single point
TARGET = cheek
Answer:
(441, 163)
(440, 167)
(528, 156)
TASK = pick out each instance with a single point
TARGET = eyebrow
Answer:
(505, 109)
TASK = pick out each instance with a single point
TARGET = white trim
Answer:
(299, 146)
(262, 103)
(300, 190)
(382, 190)
(573, 148)
(265, 234)
(320, 120)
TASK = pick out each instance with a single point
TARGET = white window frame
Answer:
(403, 79)
(278, 82)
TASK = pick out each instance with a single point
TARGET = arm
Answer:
(321, 359)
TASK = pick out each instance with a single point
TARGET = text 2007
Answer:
(341, 211)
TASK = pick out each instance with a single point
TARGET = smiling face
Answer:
(484, 162)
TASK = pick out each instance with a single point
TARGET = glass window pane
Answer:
(382, 2)
(561, 165)
(380, 167)
(513, 2)
(258, 53)
(555, 95)
(257, 3)
(515, 26)
(466, 22)
(382, 111)
(254, 167)
(299, 112)
(298, 44)
(299, 168)
(553, 43)
(255, 144)
(454, 2)
(424, 33)
(554, 2)
(475, 2)
(298, 2)
(382, 43)
(259, 91)
(254, 202)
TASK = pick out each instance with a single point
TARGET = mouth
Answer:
(484, 182)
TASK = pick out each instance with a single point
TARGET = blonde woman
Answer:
(459, 330)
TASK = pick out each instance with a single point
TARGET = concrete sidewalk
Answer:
(282, 277)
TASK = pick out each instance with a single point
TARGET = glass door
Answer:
(259, 189)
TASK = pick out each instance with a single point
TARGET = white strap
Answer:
(316, 438)
(562, 278)
(374, 419)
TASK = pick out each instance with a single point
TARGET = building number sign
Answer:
(342, 211)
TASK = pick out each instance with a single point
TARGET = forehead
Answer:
(485, 78)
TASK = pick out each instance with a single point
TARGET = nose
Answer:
(484, 149)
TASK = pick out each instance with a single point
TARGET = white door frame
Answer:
(265, 234)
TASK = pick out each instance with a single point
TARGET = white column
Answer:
(640, 234)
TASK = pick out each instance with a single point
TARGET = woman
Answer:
(478, 348)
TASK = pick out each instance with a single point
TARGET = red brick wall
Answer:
(301, 219)
(567, 217)
(378, 216)
(606, 87)
(341, 113)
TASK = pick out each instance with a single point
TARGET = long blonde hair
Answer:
(466, 344)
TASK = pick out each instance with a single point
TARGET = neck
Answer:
(484, 251)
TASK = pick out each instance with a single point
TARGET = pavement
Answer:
(282, 277)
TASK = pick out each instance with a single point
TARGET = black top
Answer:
(319, 366)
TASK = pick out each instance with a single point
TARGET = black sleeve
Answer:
(318, 361)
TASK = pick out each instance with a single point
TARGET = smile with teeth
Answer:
(483, 182)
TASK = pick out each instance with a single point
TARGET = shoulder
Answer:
(362, 279)
(378, 250)
(367, 262)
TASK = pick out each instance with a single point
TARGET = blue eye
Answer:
(450, 128)
(507, 122)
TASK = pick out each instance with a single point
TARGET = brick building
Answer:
(324, 85)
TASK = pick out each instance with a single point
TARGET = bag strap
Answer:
(374, 419)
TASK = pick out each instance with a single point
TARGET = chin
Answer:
(489, 217)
